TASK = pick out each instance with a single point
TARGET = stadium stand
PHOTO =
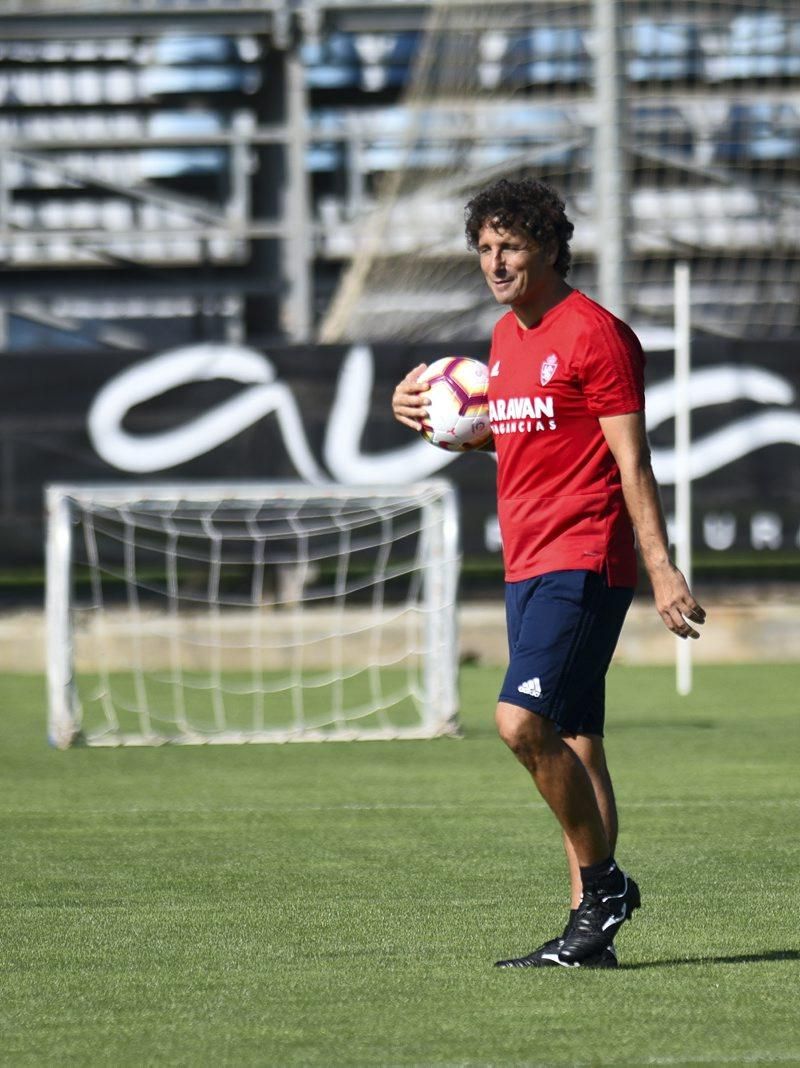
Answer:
(155, 170)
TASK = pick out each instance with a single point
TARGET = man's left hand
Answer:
(675, 603)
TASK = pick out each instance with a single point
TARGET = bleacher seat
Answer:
(664, 52)
(757, 45)
(759, 131)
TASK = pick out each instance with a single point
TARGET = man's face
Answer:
(514, 266)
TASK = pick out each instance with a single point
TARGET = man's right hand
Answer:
(409, 402)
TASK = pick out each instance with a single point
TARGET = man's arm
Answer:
(627, 440)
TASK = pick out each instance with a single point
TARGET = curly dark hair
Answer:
(527, 205)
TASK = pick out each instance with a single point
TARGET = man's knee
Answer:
(528, 735)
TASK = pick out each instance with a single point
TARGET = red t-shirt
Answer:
(559, 492)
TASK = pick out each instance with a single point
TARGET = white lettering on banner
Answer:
(195, 363)
(491, 534)
(766, 531)
(348, 417)
(719, 530)
(722, 385)
(264, 395)
(141, 453)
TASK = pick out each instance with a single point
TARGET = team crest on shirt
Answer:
(549, 367)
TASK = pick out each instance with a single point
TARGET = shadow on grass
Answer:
(739, 958)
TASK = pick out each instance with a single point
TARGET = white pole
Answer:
(683, 441)
(610, 175)
(297, 251)
(62, 725)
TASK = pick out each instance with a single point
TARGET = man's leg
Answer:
(590, 751)
(572, 776)
(604, 904)
(607, 900)
(563, 627)
(560, 777)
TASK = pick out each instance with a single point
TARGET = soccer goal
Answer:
(265, 612)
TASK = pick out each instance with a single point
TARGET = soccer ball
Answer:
(458, 413)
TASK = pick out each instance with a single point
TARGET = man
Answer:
(574, 481)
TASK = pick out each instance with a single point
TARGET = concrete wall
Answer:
(753, 628)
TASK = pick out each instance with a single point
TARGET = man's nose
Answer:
(498, 262)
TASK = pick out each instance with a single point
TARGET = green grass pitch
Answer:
(342, 904)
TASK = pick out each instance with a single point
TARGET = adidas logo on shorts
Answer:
(533, 688)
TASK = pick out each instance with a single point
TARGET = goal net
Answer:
(266, 612)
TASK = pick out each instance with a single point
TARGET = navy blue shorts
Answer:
(563, 628)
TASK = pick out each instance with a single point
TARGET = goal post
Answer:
(225, 613)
